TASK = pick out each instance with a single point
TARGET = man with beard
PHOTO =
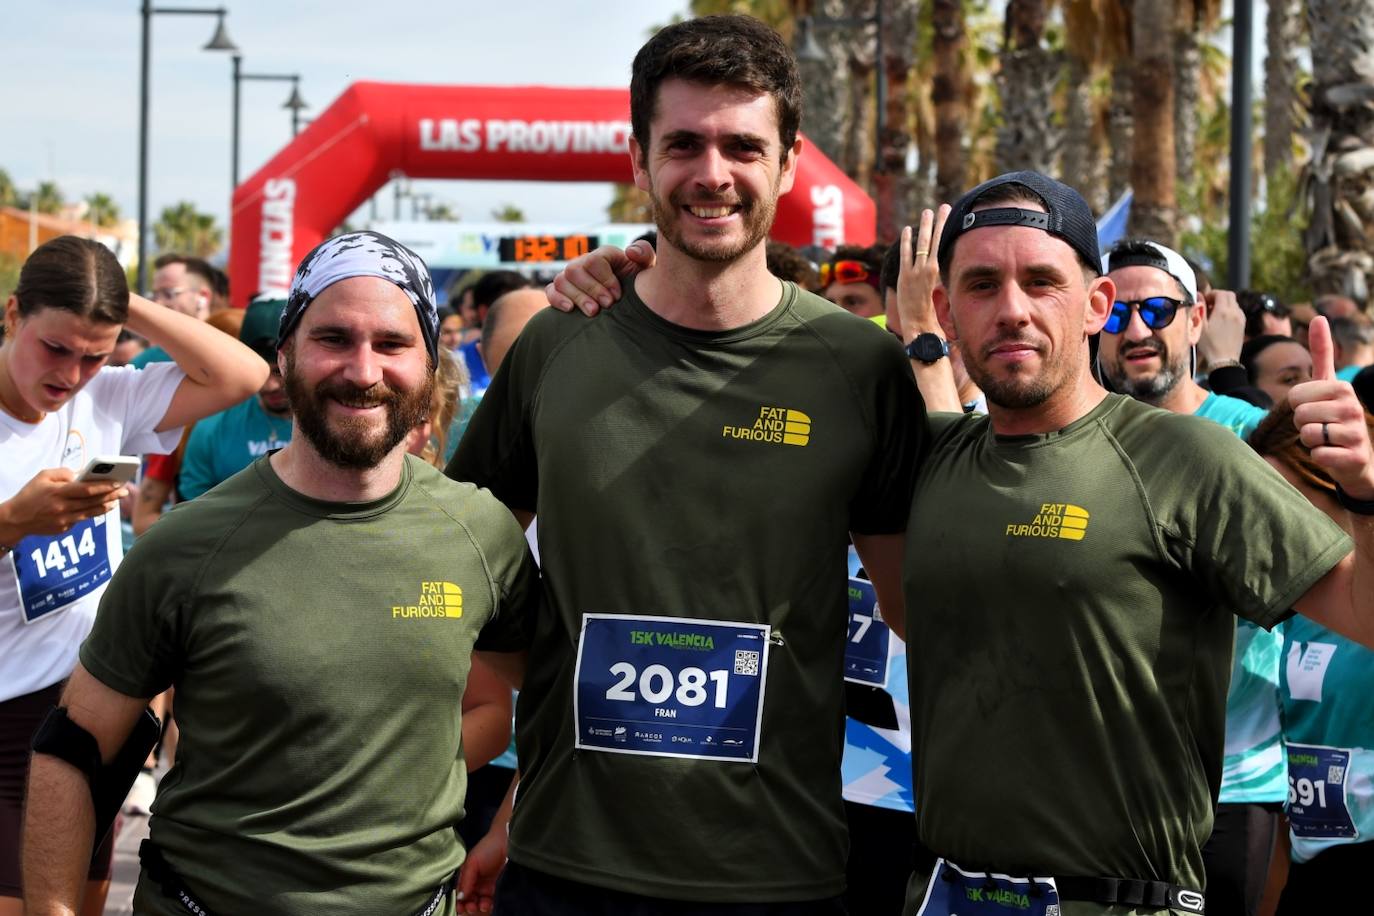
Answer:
(1145, 349)
(317, 612)
(696, 458)
(1123, 538)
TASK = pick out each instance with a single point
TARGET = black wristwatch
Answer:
(928, 348)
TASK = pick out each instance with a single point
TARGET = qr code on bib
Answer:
(746, 662)
(1335, 775)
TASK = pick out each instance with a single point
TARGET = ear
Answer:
(1197, 321)
(943, 313)
(1101, 295)
(11, 315)
(640, 165)
(281, 357)
(788, 173)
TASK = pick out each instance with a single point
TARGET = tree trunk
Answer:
(827, 116)
(1025, 84)
(1341, 177)
(949, 96)
(1081, 161)
(1154, 207)
(1120, 130)
(893, 186)
(1283, 33)
(1187, 95)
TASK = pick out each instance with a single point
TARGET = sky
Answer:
(69, 106)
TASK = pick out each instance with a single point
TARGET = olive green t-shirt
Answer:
(1069, 639)
(707, 476)
(319, 652)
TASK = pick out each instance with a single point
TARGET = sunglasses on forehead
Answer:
(1156, 311)
(844, 272)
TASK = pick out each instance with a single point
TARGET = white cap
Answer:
(1165, 259)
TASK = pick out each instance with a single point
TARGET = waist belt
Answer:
(174, 887)
(1130, 892)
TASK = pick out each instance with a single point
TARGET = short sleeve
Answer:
(137, 399)
(882, 504)
(516, 582)
(197, 473)
(1249, 538)
(132, 647)
(497, 448)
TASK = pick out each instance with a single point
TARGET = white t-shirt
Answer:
(50, 585)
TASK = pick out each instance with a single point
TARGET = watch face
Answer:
(927, 348)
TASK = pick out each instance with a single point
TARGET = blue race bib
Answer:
(1316, 792)
(670, 686)
(865, 653)
(57, 570)
(955, 892)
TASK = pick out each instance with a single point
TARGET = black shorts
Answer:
(523, 891)
(1237, 857)
(19, 719)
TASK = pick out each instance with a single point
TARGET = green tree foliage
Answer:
(48, 198)
(1278, 260)
(9, 277)
(508, 213)
(183, 229)
(103, 211)
(9, 195)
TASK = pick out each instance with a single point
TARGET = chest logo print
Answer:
(1054, 520)
(775, 425)
(437, 599)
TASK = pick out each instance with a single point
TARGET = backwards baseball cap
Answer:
(1067, 216)
(261, 320)
(1143, 253)
(363, 254)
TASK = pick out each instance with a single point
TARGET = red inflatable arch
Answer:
(375, 130)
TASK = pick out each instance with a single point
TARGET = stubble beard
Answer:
(1151, 389)
(354, 443)
(756, 215)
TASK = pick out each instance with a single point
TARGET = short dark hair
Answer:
(198, 266)
(1354, 331)
(1255, 303)
(77, 275)
(1257, 345)
(717, 50)
(892, 268)
(494, 284)
(787, 263)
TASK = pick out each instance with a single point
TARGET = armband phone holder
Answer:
(62, 738)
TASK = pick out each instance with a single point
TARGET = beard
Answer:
(1148, 388)
(354, 443)
(756, 216)
(1018, 389)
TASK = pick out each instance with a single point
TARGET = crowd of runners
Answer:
(1018, 577)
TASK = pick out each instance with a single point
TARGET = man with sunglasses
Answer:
(851, 280)
(1155, 322)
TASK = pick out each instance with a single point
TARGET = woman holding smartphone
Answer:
(60, 408)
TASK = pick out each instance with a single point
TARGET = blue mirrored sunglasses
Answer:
(1157, 312)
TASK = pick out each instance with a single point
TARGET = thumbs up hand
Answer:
(1331, 419)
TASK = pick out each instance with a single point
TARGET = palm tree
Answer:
(183, 229)
(1094, 35)
(894, 187)
(1025, 84)
(1153, 168)
(9, 196)
(1283, 28)
(1341, 256)
(48, 198)
(949, 92)
(1197, 19)
(102, 210)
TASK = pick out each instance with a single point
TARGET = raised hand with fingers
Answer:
(1224, 332)
(592, 282)
(920, 274)
(1331, 420)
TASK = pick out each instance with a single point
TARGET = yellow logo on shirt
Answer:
(1055, 520)
(775, 425)
(437, 599)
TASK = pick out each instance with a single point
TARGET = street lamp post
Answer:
(295, 103)
(218, 42)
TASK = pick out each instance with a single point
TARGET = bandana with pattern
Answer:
(363, 254)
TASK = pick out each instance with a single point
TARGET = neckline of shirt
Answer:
(696, 336)
(321, 508)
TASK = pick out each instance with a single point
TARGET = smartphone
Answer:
(121, 468)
